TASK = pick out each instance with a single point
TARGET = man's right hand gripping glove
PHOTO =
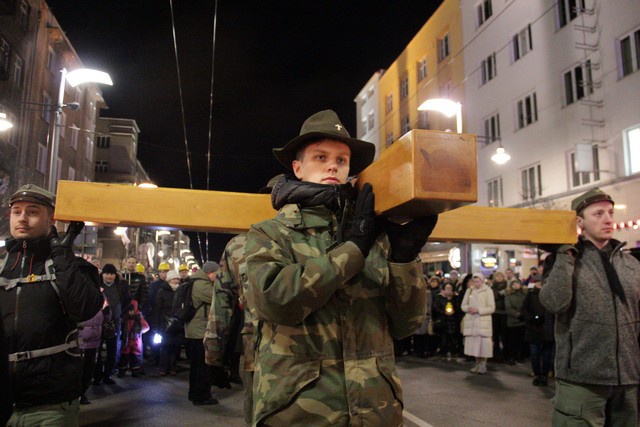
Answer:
(363, 227)
(407, 240)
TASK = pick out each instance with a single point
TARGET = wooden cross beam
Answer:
(424, 172)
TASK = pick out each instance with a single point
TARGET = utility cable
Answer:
(213, 58)
(184, 124)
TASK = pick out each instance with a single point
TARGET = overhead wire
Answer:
(183, 119)
(213, 58)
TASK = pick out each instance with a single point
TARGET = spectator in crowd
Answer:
(133, 326)
(425, 332)
(148, 312)
(117, 295)
(514, 347)
(91, 334)
(478, 304)
(509, 275)
(539, 334)
(164, 323)
(533, 272)
(592, 288)
(454, 278)
(321, 255)
(431, 338)
(202, 293)
(499, 317)
(135, 281)
(446, 315)
(183, 269)
(45, 291)
(460, 290)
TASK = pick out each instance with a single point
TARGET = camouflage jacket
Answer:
(233, 278)
(327, 318)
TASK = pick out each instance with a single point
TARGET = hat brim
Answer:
(362, 152)
(30, 197)
(593, 199)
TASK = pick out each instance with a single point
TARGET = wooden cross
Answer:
(424, 172)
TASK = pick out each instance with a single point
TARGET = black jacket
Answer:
(6, 402)
(538, 320)
(36, 317)
(162, 306)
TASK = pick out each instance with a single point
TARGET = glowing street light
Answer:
(445, 106)
(5, 124)
(75, 78)
(501, 156)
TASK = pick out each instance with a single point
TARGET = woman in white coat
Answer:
(478, 304)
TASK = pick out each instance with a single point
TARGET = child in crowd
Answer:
(133, 326)
(446, 312)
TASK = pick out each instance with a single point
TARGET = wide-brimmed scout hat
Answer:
(35, 194)
(326, 124)
(590, 197)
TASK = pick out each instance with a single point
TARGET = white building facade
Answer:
(556, 84)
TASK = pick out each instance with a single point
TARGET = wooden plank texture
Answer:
(226, 212)
(424, 172)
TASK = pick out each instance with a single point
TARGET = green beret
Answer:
(35, 194)
(592, 196)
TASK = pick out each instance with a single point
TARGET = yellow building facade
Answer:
(431, 66)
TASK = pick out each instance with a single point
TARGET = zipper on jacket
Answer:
(15, 325)
(615, 316)
(570, 349)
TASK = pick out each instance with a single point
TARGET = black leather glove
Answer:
(407, 240)
(63, 245)
(363, 227)
(218, 376)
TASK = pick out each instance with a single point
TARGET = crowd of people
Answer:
(310, 309)
(478, 317)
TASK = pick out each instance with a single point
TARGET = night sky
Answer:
(276, 63)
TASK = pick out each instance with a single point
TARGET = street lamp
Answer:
(75, 77)
(445, 106)
(5, 124)
(501, 156)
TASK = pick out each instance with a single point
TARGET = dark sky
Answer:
(276, 63)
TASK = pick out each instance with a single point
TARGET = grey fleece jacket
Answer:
(596, 334)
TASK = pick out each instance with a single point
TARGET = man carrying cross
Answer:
(332, 285)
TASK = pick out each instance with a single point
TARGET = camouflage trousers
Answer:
(63, 414)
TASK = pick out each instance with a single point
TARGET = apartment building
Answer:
(552, 83)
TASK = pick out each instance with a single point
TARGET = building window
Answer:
(579, 178)
(389, 103)
(522, 43)
(446, 89)
(23, 16)
(406, 125)
(422, 69)
(365, 129)
(74, 137)
(527, 110)
(492, 128)
(42, 159)
(489, 69)
(89, 149)
(59, 169)
(578, 82)
(105, 141)
(5, 56)
(371, 121)
(404, 88)
(632, 149)
(629, 53)
(484, 11)
(72, 174)
(568, 10)
(443, 47)
(531, 182)
(46, 107)
(17, 71)
(494, 189)
(102, 166)
(51, 61)
(390, 138)
(370, 93)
